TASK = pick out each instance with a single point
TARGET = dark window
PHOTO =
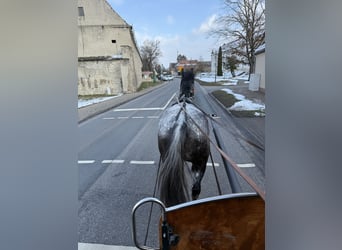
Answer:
(113, 41)
(80, 11)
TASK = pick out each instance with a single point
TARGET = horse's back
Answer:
(195, 126)
(174, 116)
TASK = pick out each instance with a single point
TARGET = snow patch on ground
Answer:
(83, 103)
(245, 104)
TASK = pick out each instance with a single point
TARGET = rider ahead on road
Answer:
(187, 82)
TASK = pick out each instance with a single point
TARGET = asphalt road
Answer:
(118, 161)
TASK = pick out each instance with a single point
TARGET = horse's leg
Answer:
(198, 171)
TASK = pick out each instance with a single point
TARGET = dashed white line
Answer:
(86, 162)
(215, 164)
(108, 118)
(137, 117)
(112, 161)
(137, 109)
(246, 165)
(147, 109)
(142, 162)
(153, 117)
(123, 117)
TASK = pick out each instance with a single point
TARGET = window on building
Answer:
(113, 41)
(80, 11)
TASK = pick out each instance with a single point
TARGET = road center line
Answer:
(112, 161)
(215, 164)
(246, 165)
(147, 109)
(123, 117)
(137, 117)
(167, 104)
(142, 162)
(86, 162)
(108, 118)
(137, 109)
(153, 117)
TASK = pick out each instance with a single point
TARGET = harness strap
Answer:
(224, 155)
(239, 135)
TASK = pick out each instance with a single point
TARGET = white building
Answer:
(214, 56)
(260, 65)
(108, 57)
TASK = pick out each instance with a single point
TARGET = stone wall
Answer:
(99, 77)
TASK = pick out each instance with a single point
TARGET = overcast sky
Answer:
(180, 25)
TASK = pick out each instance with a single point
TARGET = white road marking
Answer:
(167, 104)
(215, 164)
(137, 109)
(142, 162)
(86, 162)
(108, 118)
(93, 246)
(147, 109)
(123, 117)
(112, 161)
(153, 117)
(246, 165)
(137, 117)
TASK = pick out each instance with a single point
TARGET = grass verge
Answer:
(228, 100)
(89, 97)
(202, 83)
(223, 97)
(145, 85)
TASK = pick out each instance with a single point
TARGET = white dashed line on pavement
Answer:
(112, 161)
(86, 162)
(246, 165)
(142, 162)
(215, 164)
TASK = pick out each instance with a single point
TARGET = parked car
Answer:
(166, 77)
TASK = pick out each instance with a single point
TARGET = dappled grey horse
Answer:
(180, 140)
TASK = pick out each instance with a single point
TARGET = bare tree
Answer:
(243, 25)
(181, 58)
(150, 52)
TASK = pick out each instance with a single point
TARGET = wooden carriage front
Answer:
(233, 221)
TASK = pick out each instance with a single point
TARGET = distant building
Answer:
(198, 66)
(108, 57)
(214, 56)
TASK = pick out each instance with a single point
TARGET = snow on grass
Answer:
(245, 104)
(226, 79)
(83, 102)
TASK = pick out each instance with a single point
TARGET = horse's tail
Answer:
(172, 179)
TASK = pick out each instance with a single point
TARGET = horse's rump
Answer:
(180, 140)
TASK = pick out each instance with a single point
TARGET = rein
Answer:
(238, 135)
(224, 155)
